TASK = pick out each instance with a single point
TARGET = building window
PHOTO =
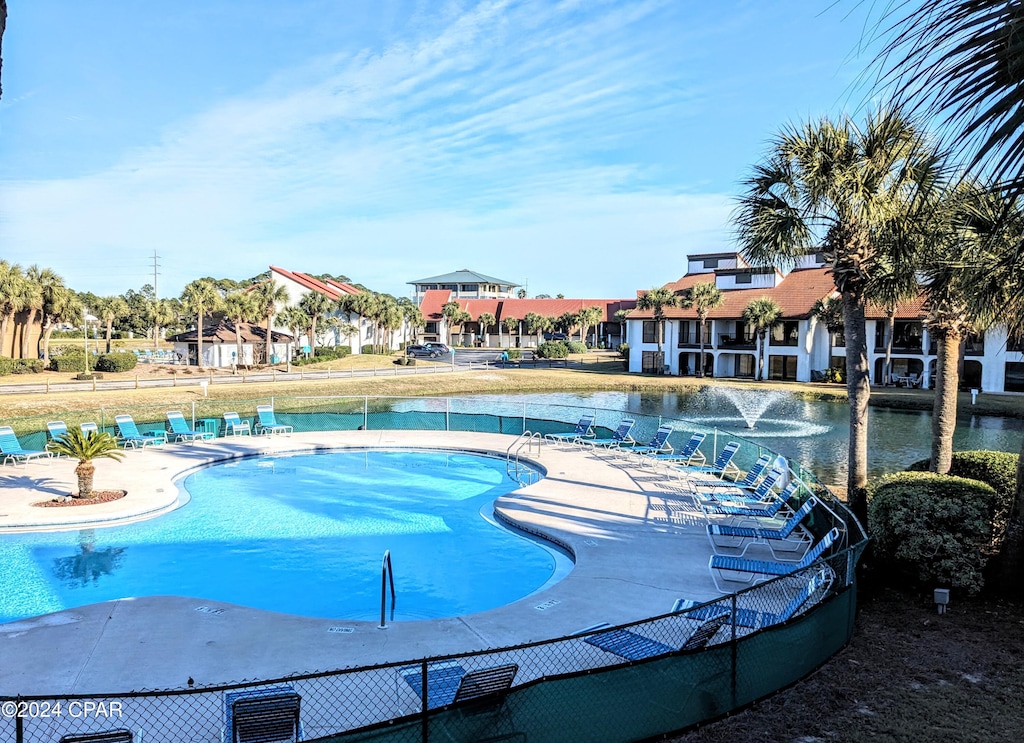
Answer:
(745, 365)
(1014, 377)
(470, 287)
(430, 328)
(450, 287)
(782, 367)
(744, 278)
(819, 258)
(652, 362)
(650, 331)
(711, 262)
(684, 334)
(786, 333)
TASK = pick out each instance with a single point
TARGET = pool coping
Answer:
(637, 541)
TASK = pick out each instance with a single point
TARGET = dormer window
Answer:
(711, 262)
(743, 278)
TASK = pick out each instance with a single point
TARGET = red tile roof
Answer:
(331, 289)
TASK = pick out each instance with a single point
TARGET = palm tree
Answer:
(538, 324)
(853, 191)
(487, 321)
(162, 313)
(589, 317)
(240, 308)
(511, 325)
(829, 312)
(11, 293)
(452, 312)
(85, 448)
(315, 305)
(36, 280)
(704, 296)
(960, 59)
(111, 309)
(657, 300)
(567, 321)
(762, 315)
(412, 318)
(390, 320)
(200, 297)
(268, 296)
(621, 316)
(296, 320)
(60, 305)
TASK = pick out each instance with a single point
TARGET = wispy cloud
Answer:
(504, 139)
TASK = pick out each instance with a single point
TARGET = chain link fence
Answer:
(602, 683)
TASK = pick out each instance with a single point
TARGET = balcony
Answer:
(731, 341)
(692, 340)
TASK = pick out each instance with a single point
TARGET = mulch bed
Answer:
(98, 496)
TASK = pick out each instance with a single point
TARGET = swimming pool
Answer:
(301, 534)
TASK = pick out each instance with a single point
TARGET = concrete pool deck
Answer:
(638, 541)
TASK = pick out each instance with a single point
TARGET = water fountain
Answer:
(745, 410)
(751, 404)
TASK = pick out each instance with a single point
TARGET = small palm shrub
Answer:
(553, 350)
(576, 347)
(624, 351)
(514, 354)
(85, 448)
(932, 529)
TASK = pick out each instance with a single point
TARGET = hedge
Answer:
(118, 361)
(553, 350)
(995, 468)
(576, 347)
(19, 366)
(935, 529)
(323, 353)
(70, 362)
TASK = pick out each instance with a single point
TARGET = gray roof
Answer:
(465, 276)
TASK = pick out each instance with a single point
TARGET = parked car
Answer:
(555, 337)
(433, 350)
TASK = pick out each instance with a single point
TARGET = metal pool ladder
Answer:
(522, 473)
(386, 573)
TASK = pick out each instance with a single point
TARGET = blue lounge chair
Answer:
(786, 540)
(658, 444)
(619, 437)
(721, 467)
(819, 580)
(450, 683)
(689, 455)
(634, 646)
(89, 427)
(55, 429)
(749, 481)
(584, 429)
(235, 426)
(130, 436)
(120, 735)
(267, 423)
(12, 451)
(180, 430)
(763, 493)
(757, 510)
(751, 571)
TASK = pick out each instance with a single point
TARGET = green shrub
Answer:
(70, 362)
(624, 351)
(323, 353)
(368, 348)
(932, 528)
(514, 354)
(118, 361)
(834, 374)
(576, 347)
(995, 468)
(19, 366)
(552, 350)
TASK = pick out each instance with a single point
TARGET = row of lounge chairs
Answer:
(759, 508)
(130, 437)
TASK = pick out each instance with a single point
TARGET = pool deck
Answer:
(638, 540)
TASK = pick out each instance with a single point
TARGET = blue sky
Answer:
(582, 147)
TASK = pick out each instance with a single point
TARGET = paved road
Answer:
(465, 360)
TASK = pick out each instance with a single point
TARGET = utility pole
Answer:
(156, 293)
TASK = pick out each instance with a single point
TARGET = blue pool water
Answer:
(302, 534)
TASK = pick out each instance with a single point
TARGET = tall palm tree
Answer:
(60, 305)
(412, 318)
(487, 321)
(240, 308)
(455, 317)
(297, 321)
(567, 321)
(589, 317)
(36, 279)
(511, 325)
(960, 59)
(162, 312)
(829, 312)
(268, 295)
(854, 191)
(657, 300)
(12, 279)
(621, 316)
(391, 318)
(315, 305)
(85, 448)
(199, 298)
(703, 297)
(110, 310)
(762, 315)
(538, 324)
